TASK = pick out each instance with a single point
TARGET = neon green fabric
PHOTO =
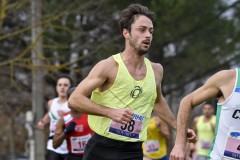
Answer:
(138, 95)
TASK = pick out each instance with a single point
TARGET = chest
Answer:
(204, 126)
(137, 73)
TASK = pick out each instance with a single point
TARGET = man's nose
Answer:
(148, 34)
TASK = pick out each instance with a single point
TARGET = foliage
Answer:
(192, 40)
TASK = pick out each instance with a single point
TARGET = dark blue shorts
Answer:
(102, 148)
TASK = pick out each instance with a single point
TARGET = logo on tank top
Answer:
(79, 128)
(136, 92)
(236, 114)
(237, 90)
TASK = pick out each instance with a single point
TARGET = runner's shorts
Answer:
(102, 148)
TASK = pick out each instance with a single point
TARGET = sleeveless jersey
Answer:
(77, 140)
(205, 135)
(155, 147)
(226, 144)
(138, 95)
(54, 117)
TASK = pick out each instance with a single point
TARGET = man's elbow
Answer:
(186, 102)
(70, 106)
(71, 103)
(55, 147)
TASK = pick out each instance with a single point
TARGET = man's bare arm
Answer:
(164, 129)
(99, 75)
(59, 135)
(209, 90)
(161, 107)
(46, 119)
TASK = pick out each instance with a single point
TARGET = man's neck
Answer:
(62, 99)
(132, 58)
(207, 118)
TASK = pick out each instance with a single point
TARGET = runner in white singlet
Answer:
(225, 86)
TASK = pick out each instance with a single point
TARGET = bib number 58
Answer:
(129, 126)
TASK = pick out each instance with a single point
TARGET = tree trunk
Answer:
(73, 57)
(37, 79)
(11, 139)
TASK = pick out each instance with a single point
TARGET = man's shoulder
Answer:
(196, 119)
(223, 78)
(105, 68)
(53, 102)
(50, 102)
(107, 61)
(157, 67)
(213, 118)
(231, 73)
(53, 99)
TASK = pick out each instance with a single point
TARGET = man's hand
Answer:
(178, 153)
(70, 128)
(123, 115)
(191, 136)
(41, 125)
(60, 113)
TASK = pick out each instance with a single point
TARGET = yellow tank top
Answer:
(139, 96)
(205, 135)
(155, 147)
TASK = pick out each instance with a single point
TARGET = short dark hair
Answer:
(208, 103)
(67, 77)
(128, 15)
(70, 91)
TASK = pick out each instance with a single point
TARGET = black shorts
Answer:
(51, 155)
(74, 157)
(102, 148)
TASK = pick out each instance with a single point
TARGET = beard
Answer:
(137, 48)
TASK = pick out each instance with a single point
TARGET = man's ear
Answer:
(125, 33)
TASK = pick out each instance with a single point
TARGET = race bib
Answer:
(78, 144)
(232, 147)
(151, 146)
(131, 130)
(206, 144)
